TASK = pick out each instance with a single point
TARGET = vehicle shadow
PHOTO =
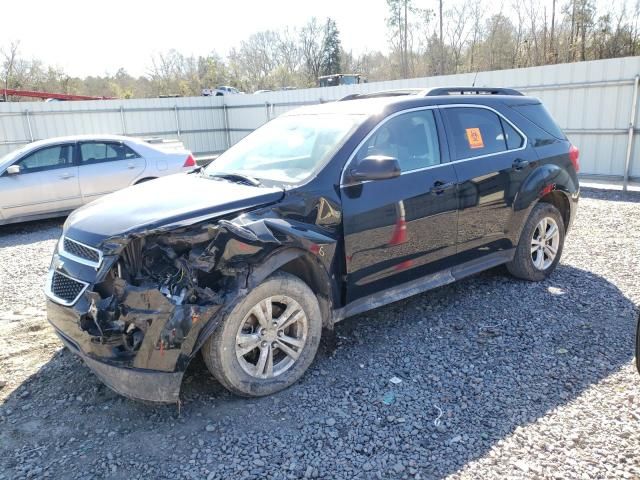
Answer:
(30, 232)
(610, 195)
(476, 360)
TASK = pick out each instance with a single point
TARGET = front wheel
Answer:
(268, 340)
(540, 246)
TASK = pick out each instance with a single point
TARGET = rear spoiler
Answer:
(167, 145)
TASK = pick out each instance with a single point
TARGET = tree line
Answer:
(444, 39)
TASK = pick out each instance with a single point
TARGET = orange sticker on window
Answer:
(474, 137)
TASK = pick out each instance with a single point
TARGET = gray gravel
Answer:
(498, 378)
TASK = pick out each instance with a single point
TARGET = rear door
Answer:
(491, 159)
(105, 167)
(400, 229)
(47, 183)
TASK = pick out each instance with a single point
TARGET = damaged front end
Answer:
(139, 307)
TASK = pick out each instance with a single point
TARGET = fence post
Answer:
(26, 114)
(175, 109)
(632, 127)
(124, 124)
(266, 108)
(227, 128)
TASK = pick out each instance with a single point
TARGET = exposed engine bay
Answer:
(149, 299)
(163, 288)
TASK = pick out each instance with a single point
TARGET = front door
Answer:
(47, 183)
(399, 229)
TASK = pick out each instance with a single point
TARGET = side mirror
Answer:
(375, 167)
(13, 170)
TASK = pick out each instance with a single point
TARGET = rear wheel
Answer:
(540, 245)
(268, 340)
(143, 180)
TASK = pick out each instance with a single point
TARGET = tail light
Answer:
(189, 162)
(574, 156)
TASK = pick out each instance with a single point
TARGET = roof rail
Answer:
(383, 93)
(432, 92)
(471, 91)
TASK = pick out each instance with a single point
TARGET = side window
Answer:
(48, 158)
(477, 131)
(98, 152)
(411, 137)
(513, 138)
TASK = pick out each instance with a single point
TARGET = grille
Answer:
(77, 249)
(65, 288)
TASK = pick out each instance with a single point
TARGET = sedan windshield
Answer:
(14, 154)
(286, 150)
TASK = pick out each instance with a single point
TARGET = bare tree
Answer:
(10, 56)
(289, 51)
(442, 60)
(520, 58)
(477, 12)
(312, 44)
(400, 25)
(553, 55)
(457, 35)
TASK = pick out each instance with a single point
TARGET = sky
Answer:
(84, 39)
(87, 40)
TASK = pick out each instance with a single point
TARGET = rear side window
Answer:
(513, 138)
(98, 152)
(541, 117)
(477, 131)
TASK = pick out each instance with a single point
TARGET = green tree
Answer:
(331, 48)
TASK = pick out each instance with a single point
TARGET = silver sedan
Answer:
(51, 177)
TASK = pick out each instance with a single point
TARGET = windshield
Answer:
(13, 154)
(288, 149)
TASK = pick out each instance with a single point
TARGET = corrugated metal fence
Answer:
(592, 101)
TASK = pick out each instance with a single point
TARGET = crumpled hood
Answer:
(170, 201)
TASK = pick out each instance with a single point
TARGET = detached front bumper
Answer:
(109, 364)
(152, 369)
(137, 384)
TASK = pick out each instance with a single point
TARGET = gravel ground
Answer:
(498, 378)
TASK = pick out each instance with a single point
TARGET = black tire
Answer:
(219, 351)
(143, 180)
(523, 265)
(638, 343)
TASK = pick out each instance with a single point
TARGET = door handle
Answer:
(440, 187)
(519, 164)
(131, 165)
(66, 176)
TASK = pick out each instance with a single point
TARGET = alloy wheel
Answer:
(545, 243)
(271, 337)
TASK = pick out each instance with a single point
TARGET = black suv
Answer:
(323, 213)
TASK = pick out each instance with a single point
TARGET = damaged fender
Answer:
(160, 294)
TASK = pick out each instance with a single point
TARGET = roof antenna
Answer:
(474, 79)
